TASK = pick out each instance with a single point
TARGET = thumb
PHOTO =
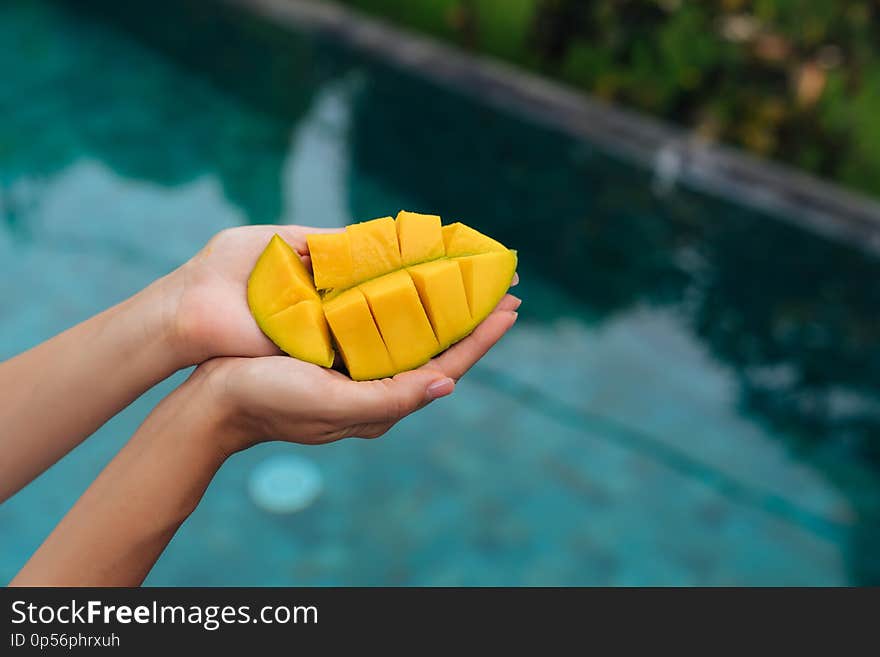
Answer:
(389, 400)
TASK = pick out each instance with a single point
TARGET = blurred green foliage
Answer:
(794, 80)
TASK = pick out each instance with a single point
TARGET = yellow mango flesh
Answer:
(301, 331)
(441, 290)
(401, 319)
(486, 278)
(459, 240)
(286, 306)
(420, 237)
(331, 260)
(360, 344)
(283, 279)
(374, 248)
(394, 292)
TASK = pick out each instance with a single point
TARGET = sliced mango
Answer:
(331, 260)
(360, 344)
(394, 293)
(279, 279)
(486, 278)
(459, 239)
(301, 331)
(441, 291)
(286, 306)
(401, 319)
(374, 248)
(420, 237)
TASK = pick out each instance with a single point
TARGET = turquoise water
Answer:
(691, 395)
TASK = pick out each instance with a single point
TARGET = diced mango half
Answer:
(441, 291)
(360, 344)
(420, 237)
(393, 293)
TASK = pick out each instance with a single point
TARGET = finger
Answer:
(389, 400)
(508, 302)
(515, 280)
(458, 359)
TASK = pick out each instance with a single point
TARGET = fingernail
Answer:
(440, 388)
(515, 315)
(515, 280)
(518, 301)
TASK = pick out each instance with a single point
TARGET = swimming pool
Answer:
(691, 395)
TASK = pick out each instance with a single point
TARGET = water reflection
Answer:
(791, 315)
(245, 150)
(316, 172)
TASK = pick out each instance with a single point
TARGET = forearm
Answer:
(60, 392)
(122, 523)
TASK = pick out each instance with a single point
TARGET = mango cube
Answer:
(331, 260)
(486, 278)
(401, 319)
(279, 279)
(420, 237)
(459, 240)
(301, 331)
(374, 248)
(357, 337)
(441, 291)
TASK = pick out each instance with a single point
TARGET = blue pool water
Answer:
(691, 395)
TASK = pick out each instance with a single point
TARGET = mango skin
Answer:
(394, 293)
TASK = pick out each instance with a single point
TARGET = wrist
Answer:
(225, 414)
(140, 331)
(174, 327)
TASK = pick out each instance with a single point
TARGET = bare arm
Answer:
(121, 524)
(60, 392)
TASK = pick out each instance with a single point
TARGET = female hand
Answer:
(280, 398)
(207, 312)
